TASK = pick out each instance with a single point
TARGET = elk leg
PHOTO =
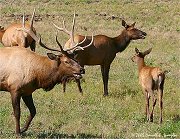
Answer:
(79, 85)
(147, 97)
(105, 75)
(64, 85)
(160, 90)
(28, 100)
(154, 104)
(15, 97)
(160, 104)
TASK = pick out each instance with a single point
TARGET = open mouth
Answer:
(143, 36)
(77, 75)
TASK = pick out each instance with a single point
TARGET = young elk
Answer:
(103, 50)
(12, 37)
(23, 71)
(151, 79)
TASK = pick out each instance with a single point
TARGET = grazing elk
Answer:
(12, 37)
(23, 71)
(151, 79)
(103, 50)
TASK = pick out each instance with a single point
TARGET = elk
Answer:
(103, 50)
(150, 79)
(23, 71)
(12, 37)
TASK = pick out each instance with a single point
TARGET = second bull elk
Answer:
(23, 71)
(103, 50)
(12, 37)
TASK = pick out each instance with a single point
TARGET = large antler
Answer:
(33, 35)
(74, 46)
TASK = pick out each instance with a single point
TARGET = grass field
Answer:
(121, 114)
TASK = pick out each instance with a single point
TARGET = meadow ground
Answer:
(121, 114)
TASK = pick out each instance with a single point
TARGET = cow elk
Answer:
(103, 50)
(23, 71)
(12, 37)
(150, 79)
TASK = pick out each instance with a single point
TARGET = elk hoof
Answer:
(22, 130)
(151, 118)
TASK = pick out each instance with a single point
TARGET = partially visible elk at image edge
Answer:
(12, 37)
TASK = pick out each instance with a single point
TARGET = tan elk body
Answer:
(150, 79)
(103, 50)
(12, 37)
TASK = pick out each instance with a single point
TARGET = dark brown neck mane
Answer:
(49, 76)
(121, 41)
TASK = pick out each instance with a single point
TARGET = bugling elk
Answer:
(23, 71)
(150, 79)
(12, 37)
(103, 50)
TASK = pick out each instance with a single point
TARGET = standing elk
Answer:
(23, 71)
(12, 37)
(103, 50)
(150, 79)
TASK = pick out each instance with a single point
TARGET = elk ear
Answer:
(133, 24)
(147, 51)
(137, 51)
(53, 56)
(124, 24)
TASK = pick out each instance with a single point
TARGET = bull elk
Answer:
(150, 79)
(103, 50)
(23, 71)
(12, 37)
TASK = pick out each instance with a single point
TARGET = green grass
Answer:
(121, 114)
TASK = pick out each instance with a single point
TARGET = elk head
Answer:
(133, 32)
(140, 55)
(65, 64)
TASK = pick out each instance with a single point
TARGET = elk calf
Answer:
(151, 79)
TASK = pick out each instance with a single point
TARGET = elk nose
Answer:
(82, 71)
(144, 33)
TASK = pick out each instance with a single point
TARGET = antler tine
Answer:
(72, 32)
(90, 42)
(60, 46)
(23, 22)
(62, 29)
(32, 18)
(77, 47)
(82, 48)
(33, 35)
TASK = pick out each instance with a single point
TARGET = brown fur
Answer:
(150, 79)
(13, 37)
(104, 50)
(23, 71)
